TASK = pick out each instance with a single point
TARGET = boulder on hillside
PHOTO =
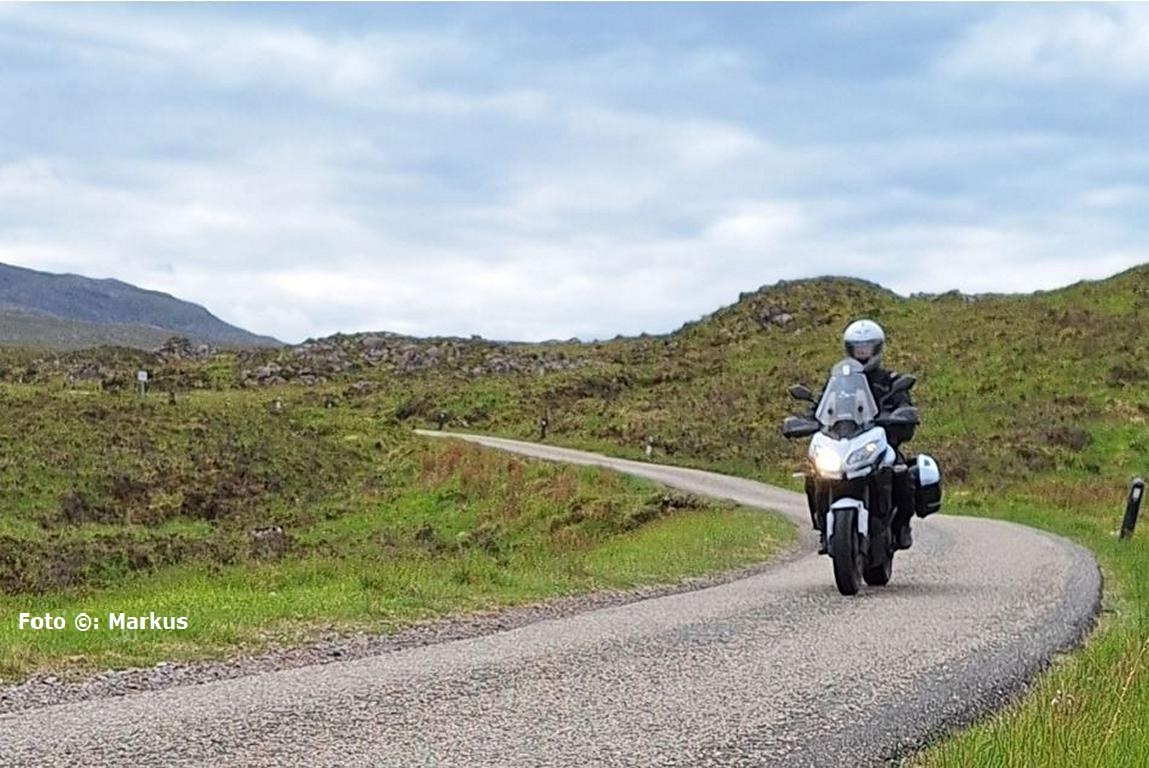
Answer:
(182, 348)
(774, 315)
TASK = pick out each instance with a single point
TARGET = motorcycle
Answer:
(849, 486)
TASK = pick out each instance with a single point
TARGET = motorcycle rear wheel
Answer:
(879, 575)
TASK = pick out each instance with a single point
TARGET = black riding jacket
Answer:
(881, 380)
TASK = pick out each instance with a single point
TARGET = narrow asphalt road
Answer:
(772, 670)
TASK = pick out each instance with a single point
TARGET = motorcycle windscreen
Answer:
(847, 396)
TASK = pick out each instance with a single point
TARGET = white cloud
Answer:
(1115, 196)
(230, 52)
(375, 69)
(1039, 255)
(271, 246)
(756, 226)
(444, 182)
(709, 145)
(691, 143)
(173, 207)
(1050, 45)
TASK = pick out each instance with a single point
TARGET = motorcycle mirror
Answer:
(799, 426)
(800, 392)
(907, 415)
(903, 382)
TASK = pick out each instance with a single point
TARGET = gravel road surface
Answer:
(776, 669)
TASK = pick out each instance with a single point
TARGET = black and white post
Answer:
(1132, 507)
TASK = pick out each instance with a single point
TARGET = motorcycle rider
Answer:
(864, 341)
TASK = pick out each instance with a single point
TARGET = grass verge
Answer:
(382, 531)
(1090, 708)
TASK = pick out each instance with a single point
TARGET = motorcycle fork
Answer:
(819, 497)
(881, 505)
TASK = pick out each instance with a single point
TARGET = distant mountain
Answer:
(70, 311)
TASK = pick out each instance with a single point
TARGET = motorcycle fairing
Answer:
(842, 450)
(847, 396)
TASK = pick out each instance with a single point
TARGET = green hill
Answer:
(43, 310)
(1009, 385)
(1035, 406)
(21, 327)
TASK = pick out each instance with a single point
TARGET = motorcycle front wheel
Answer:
(845, 552)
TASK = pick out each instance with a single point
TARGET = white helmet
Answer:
(864, 340)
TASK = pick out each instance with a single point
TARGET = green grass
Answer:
(253, 606)
(382, 529)
(1091, 707)
(670, 549)
(1037, 408)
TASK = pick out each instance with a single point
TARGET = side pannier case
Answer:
(927, 485)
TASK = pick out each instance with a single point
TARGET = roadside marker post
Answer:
(1132, 507)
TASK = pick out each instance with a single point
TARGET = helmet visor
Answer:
(862, 351)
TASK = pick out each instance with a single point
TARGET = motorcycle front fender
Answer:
(863, 516)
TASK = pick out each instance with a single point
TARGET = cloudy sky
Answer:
(548, 171)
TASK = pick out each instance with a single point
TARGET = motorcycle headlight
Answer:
(828, 462)
(862, 455)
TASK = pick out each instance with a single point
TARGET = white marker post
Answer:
(142, 378)
(1132, 507)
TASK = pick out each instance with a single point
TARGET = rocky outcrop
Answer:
(775, 315)
(345, 356)
(179, 348)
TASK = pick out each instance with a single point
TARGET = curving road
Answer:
(772, 670)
